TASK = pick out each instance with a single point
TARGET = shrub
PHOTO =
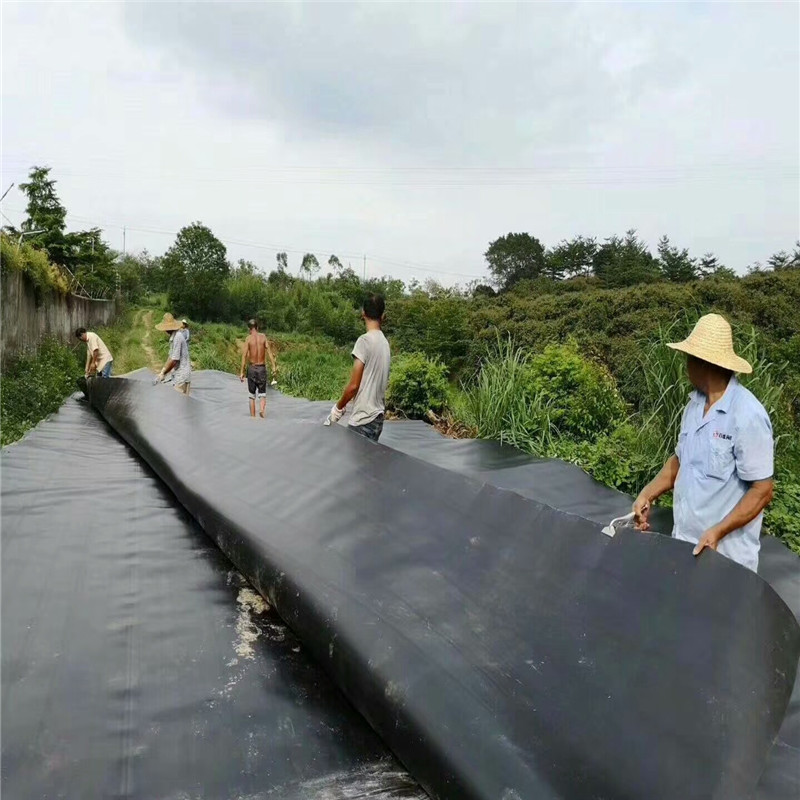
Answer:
(417, 384)
(580, 395)
(438, 327)
(34, 387)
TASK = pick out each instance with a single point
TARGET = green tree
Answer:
(784, 260)
(573, 258)
(196, 269)
(309, 265)
(515, 257)
(335, 264)
(711, 267)
(47, 215)
(93, 262)
(625, 261)
(283, 262)
(676, 265)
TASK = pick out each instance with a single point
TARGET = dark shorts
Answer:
(372, 430)
(257, 380)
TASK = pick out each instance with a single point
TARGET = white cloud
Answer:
(417, 132)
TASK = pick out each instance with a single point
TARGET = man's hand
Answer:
(335, 415)
(711, 538)
(641, 510)
(241, 377)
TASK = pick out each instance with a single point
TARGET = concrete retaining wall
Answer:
(28, 319)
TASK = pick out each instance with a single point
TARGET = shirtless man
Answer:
(256, 348)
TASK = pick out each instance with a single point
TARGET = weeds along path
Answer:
(146, 320)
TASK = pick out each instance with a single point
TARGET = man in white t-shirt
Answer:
(370, 374)
(99, 360)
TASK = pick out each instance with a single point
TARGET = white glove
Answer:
(335, 415)
(159, 379)
(274, 382)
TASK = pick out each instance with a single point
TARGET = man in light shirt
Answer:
(178, 360)
(370, 374)
(722, 467)
(99, 360)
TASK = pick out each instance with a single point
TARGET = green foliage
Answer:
(515, 257)
(84, 253)
(44, 275)
(33, 388)
(46, 215)
(625, 261)
(782, 516)
(417, 384)
(312, 368)
(124, 340)
(195, 268)
(676, 265)
(532, 401)
(581, 396)
(310, 264)
(438, 327)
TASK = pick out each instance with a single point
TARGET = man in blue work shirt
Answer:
(722, 467)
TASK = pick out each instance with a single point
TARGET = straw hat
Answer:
(711, 340)
(169, 323)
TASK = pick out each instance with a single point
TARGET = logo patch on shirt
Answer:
(720, 435)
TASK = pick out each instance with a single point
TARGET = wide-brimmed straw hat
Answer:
(711, 340)
(169, 323)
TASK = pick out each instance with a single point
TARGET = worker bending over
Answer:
(722, 467)
(99, 360)
(370, 374)
(256, 349)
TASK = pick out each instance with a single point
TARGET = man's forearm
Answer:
(664, 481)
(169, 366)
(348, 394)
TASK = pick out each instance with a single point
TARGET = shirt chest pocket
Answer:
(720, 459)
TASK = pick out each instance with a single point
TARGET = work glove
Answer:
(159, 379)
(274, 382)
(335, 415)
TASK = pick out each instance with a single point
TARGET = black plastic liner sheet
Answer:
(501, 648)
(136, 661)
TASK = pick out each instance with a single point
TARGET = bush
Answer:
(436, 326)
(417, 384)
(32, 388)
(580, 395)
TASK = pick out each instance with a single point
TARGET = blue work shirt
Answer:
(721, 454)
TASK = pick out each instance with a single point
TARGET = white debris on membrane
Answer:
(246, 630)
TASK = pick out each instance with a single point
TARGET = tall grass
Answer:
(312, 368)
(496, 402)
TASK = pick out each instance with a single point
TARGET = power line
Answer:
(274, 247)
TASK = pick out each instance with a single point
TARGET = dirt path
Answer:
(146, 319)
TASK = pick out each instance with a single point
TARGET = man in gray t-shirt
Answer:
(370, 374)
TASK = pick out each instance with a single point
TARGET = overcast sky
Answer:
(412, 133)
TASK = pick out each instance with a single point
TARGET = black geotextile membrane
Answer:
(500, 647)
(136, 660)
